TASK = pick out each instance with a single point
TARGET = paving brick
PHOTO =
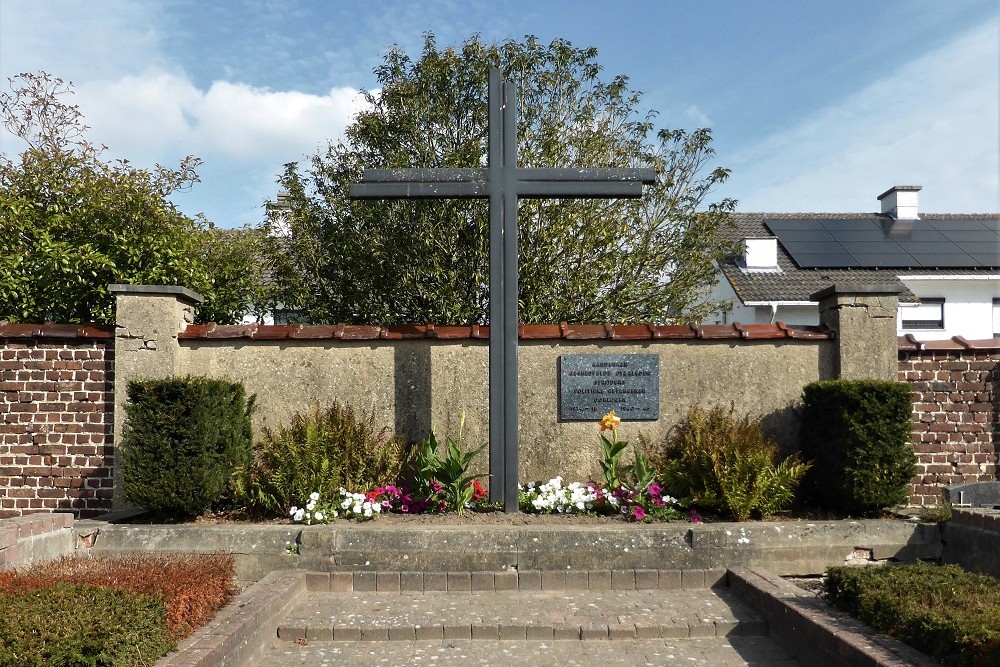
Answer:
(342, 582)
(411, 582)
(508, 631)
(364, 582)
(563, 632)
(692, 578)
(482, 581)
(319, 634)
(346, 634)
(623, 580)
(669, 579)
(374, 634)
(621, 631)
(529, 580)
(701, 629)
(594, 631)
(318, 581)
(553, 580)
(485, 631)
(600, 580)
(435, 581)
(458, 631)
(402, 633)
(459, 581)
(387, 582)
(431, 632)
(577, 580)
(538, 632)
(505, 581)
(646, 579)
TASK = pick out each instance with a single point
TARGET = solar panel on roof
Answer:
(885, 243)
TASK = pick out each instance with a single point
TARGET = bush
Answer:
(320, 451)
(720, 462)
(183, 438)
(73, 624)
(950, 614)
(857, 434)
(193, 587)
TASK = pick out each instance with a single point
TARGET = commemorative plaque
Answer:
(591, 385)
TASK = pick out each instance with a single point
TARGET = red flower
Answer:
(478, 492)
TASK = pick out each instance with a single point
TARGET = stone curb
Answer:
(245, 628)
(512, 580)
(816, 634)
(597, 631)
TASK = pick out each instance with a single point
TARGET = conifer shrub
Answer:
(183, 438)
(76, 624)
(724, 463)
(943, 611)
(857, 434)
(321, 451)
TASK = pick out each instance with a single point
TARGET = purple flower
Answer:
(694, 517)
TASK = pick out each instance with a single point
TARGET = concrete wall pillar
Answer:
(864, 318)
(147, 321)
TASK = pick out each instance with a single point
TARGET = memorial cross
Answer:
(503, 183)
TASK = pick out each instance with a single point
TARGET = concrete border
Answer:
(815, 634)
(245, 628)
(35, 538)
(787, 548)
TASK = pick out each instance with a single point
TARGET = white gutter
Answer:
(989, 276)
(774, 304)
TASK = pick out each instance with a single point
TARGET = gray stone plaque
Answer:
(591, 385)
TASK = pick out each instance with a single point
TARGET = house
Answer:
(946, 266)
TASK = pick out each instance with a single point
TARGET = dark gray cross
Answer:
(503, 183)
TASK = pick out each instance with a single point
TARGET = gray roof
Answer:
(791, 283)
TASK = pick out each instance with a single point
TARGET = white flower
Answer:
(319, 516)
(310, 506)
(368, 512)
(299, 514)
(314, 496)
(294, 510)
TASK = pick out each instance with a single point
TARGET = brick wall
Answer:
(56, 415)
(956, 434)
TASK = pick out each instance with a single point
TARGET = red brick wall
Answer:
(956, 434)
(56, 416)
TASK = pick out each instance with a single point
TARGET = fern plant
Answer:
(721, 462)
(319, 451)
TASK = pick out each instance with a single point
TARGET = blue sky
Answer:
(814, 105)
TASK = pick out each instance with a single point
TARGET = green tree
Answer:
(71, 222)
(580, 260)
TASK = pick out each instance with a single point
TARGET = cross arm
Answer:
(420, 184)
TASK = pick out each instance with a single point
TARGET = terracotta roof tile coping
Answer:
(908, 343)
(53, 330)
(563, 330)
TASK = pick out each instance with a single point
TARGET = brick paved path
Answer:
(606, 627)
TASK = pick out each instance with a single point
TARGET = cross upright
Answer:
(503, 183)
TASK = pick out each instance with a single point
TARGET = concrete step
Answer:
(510, 613)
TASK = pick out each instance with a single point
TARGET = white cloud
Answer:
(935, 123)
(143, 116)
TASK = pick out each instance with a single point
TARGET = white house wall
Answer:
(968, 306)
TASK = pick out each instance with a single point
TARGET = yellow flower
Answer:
(609, 421)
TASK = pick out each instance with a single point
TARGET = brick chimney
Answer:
(900, 201)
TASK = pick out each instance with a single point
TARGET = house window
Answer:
(929, 314)
(996, 317)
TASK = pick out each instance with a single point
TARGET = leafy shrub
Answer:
(320, 451)
(857, 433)
(74, 624)
(183, 438)
(943, 611)
(193, 587)
(718, 461)
(449, 476)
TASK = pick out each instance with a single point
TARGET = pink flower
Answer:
(638, 513)
(694, 517)
(654, 489)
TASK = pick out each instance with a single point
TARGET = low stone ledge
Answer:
(815, 634)
(35, 538)
(245, 628)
